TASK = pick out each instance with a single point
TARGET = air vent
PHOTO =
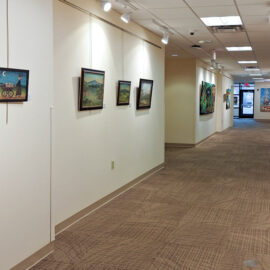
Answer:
(227, 29)
(195, 46)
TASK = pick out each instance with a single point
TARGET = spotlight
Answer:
(107, 5)
(125, 17)
(165, 39)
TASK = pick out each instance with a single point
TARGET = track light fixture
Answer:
(165, 38)
(126, 17)
(107, 5)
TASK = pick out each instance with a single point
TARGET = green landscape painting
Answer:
(145, 94)
(207, 99)
(92, 89)
(123, 93)
(13, 85)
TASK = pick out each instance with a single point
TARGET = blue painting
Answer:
(13, 85)
(265, 100)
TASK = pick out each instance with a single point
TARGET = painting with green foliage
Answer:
(91, 90)
(13, 85)
(123, 93)
(145, 94)
(207, 99)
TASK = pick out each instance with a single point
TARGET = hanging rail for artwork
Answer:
(103, 20)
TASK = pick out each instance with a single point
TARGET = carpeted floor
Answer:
(209, 209)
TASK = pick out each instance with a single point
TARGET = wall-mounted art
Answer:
(265, 100)
(228, 99)
(236, 101)
(123, 94)
(144, 97)
(13, 85)
(91, 89)
(207, 99)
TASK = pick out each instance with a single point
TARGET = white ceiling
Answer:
(183, 16)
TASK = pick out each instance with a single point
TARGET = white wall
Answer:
(85, 143)
(25, 140)
(205, 125)
(227, 115)
(257, 110)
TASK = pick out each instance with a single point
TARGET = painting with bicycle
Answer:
(13, 85)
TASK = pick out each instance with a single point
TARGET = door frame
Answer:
(241, 115)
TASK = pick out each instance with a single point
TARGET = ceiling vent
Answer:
(227, 29)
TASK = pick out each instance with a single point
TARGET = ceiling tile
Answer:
(173, 13)
(161, 3)
(216, 11)
(209, 3)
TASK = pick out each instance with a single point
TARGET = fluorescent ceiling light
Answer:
(165, 39)
(125, 17)
(239, 49)
(257, 74)
(175, 55)
(107, 6)
(247, 62)
(222, 21)
(252, 69)
(257, 78)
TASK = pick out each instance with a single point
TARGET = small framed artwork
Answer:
(144, 97)
(13, 85)
(91, 89)
(123, 94)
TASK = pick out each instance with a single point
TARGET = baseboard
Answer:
(205, 139)
(34, 258)
(75, 218)
(179, 145)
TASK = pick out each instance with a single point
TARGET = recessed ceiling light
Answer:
(247, 62)
(204, 41)
(222, 21)
(175, 55)
(239, 49)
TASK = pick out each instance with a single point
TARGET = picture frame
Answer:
(207, 98)
(144, 97)
(14, 84)
(91, 93)
(123, 93)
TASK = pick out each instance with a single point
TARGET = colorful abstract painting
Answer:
(13, 85)
(265, 100)
(228, 99)
(207, 99)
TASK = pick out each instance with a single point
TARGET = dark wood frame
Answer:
(27, 83)
(139, 94)
(93, 71)
(118, 93)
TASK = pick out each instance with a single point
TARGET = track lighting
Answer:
(165, 39)
(107, 5)
(125, 17)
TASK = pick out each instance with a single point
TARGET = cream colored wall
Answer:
(257, 107)
(227, 119)
(25, 140)
(85, 143)
(205, 125)
(180, 100)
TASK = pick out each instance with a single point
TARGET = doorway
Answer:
(246, 104)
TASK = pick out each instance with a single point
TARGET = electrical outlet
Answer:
(113, 165)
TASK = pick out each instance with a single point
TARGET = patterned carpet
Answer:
(209, 209)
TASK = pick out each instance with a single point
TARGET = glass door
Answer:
(247, 104)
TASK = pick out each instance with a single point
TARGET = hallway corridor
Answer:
(209, 209)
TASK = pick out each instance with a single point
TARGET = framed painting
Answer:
(228, 99)
(144, 97)
(236, 101)
(207, 98)
(13, 85)
(91, 89)
(265, 100)
(123, 95)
